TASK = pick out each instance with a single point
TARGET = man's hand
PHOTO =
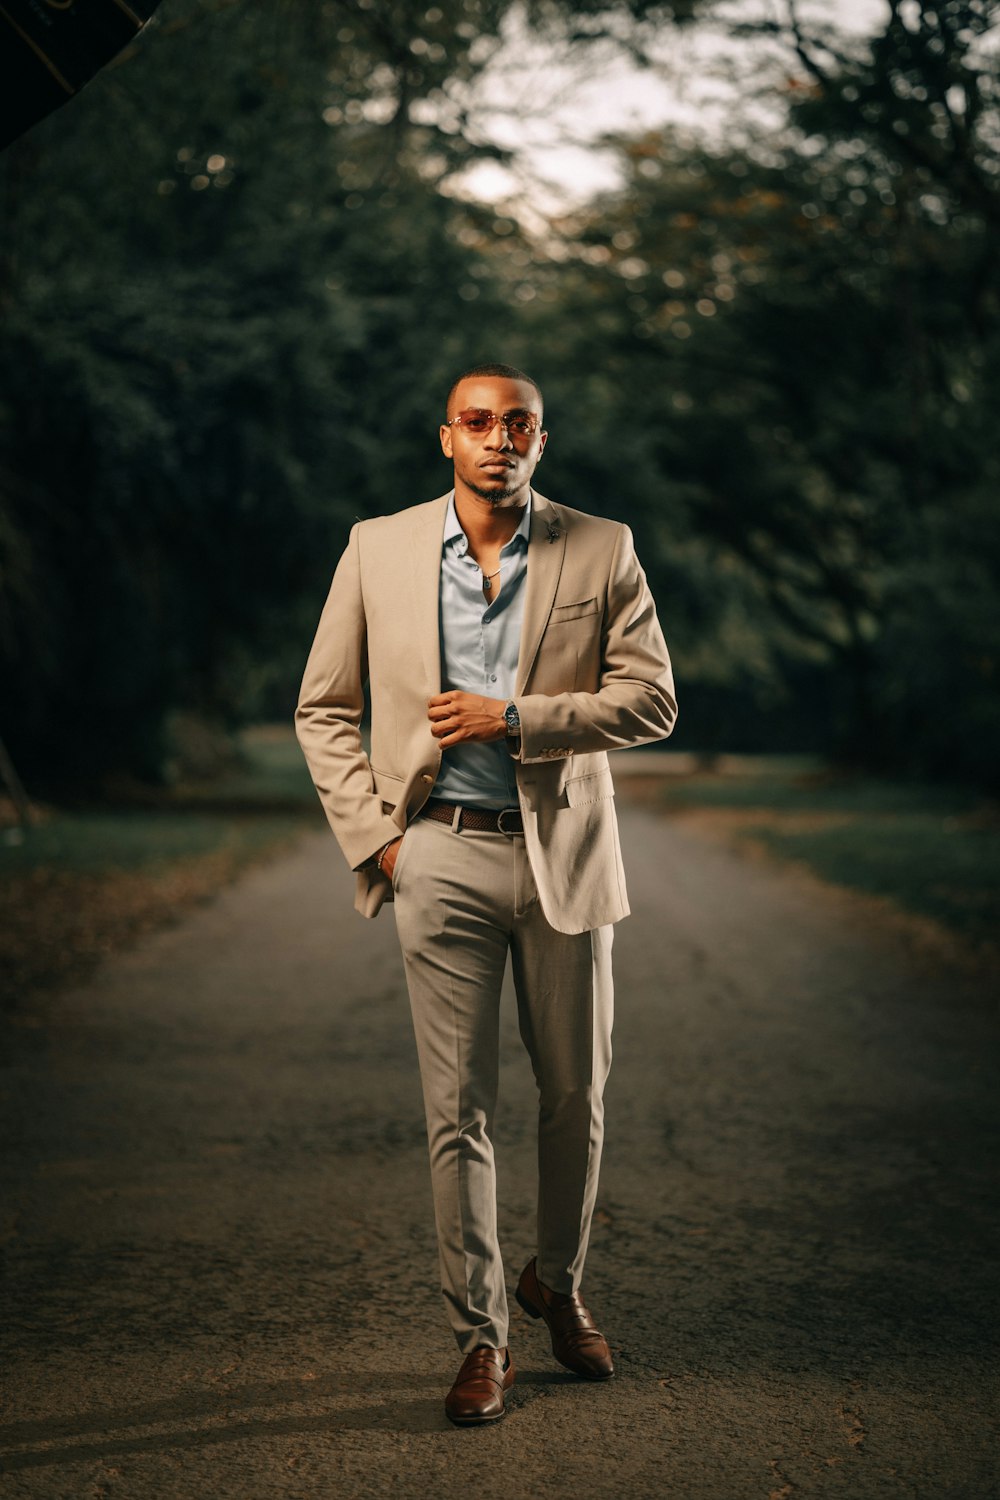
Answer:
(390, 856)
(466, 719)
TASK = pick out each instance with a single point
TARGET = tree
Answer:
(207, 360)
(799, 343)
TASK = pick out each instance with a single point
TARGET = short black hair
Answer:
(502, 372)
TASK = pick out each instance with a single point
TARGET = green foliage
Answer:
(800, 346)
(236, 282)
(216, 356)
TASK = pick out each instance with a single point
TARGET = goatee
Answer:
(495, 497)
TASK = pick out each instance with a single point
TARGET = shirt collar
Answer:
(453, 527)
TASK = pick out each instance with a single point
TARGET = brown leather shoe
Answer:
(478, 1392)
(576, 1342)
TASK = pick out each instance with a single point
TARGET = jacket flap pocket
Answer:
(594, 787)
(561, 612)
(388, 786)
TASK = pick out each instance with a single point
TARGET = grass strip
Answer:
(934, 851)
(82, 883)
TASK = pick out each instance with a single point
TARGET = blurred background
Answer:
(749, 251)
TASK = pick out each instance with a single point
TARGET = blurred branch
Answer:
(15, 787)
(158, 27)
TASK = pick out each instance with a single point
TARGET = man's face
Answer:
(497, 464)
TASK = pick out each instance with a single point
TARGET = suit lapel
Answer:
(425, 587)
(546, 550)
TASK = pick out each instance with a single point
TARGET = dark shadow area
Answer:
(391, 1414)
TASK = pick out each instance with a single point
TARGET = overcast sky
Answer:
(549, 107)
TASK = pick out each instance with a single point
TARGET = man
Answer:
(509, 643)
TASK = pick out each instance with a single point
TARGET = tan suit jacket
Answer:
(593, 675)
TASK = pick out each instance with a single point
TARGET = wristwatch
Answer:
(512, 719)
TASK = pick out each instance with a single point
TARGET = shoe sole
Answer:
(476, 1421)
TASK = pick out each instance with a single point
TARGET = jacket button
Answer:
(429, 780)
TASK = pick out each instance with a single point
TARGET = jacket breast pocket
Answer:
(561, 613)
(596, 786)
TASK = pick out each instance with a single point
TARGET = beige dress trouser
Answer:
(463, 899)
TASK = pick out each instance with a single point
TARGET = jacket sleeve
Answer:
(328, 718)
(634, 703)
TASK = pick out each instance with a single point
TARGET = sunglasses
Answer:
(517, 424)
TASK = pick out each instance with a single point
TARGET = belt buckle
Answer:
(515, 812)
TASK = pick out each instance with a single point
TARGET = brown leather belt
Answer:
(482, 819)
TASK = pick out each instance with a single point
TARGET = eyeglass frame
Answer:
(503, 420)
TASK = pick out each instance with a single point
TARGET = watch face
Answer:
(512, 717)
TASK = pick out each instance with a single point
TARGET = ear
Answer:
(446, 447)
(543, 438)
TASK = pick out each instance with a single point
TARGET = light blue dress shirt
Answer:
(479, 648)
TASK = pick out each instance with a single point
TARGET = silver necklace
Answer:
(488, 579)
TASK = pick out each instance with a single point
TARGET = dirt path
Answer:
(220, 1263)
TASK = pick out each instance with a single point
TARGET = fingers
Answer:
(457, 718)
(442, 710)
(443, 706)
(446, 721)
(392, 854)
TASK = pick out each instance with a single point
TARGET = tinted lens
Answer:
(519, 424)
(478, 421)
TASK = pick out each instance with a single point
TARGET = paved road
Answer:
(221, 1273)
